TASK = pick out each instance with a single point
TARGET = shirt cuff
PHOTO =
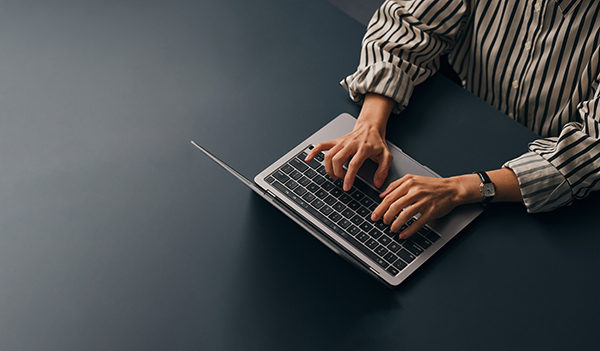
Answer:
(543, 187)
(381, 78)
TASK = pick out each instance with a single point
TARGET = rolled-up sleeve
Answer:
(557, 171)
(402, 47)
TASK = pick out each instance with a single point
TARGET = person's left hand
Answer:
(431, 197)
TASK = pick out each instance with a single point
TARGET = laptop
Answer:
(341, 220)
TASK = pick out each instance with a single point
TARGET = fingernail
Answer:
(374, 218)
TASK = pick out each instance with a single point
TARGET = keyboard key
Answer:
(321, 170)
(348, 213)
(334, 216)
(432, 236)
(421, 241)
(299, 165)
(363, 212)
(354, 205)
(366, 202)
(385, 240)
(344, 223)
(379, 224)
(362, 237)
(357, 220)
(336, 192)
(327, 186)
(375, 234)
(390, 257)
(321, 194)
(412, 247)
(353, 230)
(310, 173)
(338, 206)
(400, 265)
(339, 183)
(286, 168)
(381, 250)
(295, 175)
(280, 176)
(366, 227)
(269, 179)
(326, 210)
(314, 164)
(392, 270)
(309, 197)
(406, 256)
(345, 198)
(373, 206)
(371, 244)
(299, 191)
(313, 188)
(357, 195)
(304, 181)
(319, 180)
(393, 247)
(320, 156)
(330, 200)
(291, 184)
(317, 204)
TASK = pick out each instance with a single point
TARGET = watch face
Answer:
(488, 190)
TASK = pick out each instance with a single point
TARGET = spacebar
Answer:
(357, 244)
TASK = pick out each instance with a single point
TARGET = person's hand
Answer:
(431, 197)
(365, 141)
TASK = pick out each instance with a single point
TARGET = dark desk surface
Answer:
(116, 234)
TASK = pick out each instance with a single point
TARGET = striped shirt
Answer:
(537, 61)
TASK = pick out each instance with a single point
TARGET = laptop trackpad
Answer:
(401, 166)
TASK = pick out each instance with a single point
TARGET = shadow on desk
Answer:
(289, 281)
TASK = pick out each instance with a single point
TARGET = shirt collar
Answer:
(567, 6)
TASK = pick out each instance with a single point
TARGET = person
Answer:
(536, 61)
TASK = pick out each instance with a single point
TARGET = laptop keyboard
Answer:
(349, 213)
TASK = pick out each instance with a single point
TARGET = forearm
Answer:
(505, 182)
(375, 112)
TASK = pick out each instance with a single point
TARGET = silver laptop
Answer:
(341, 220)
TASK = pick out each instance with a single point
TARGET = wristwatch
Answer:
(486, 188)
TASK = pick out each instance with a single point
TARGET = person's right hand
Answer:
(363, 142)
(367, 140)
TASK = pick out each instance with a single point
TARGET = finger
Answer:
(393, 186)
(409, 212)
(328, 159)
(382, 170)
(396, 207)
(413, 228)
(324, 146)
(390, 199)
(339, 159)
(353, 167)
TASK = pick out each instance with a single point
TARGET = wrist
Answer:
(375, 112)
(468, 189)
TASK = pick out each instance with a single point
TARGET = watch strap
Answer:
(485, 179)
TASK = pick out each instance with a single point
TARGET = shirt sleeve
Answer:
(402, 47)
(557, 171)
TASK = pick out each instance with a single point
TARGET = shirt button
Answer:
(528, 45)
(515, 84)
(538, 7)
